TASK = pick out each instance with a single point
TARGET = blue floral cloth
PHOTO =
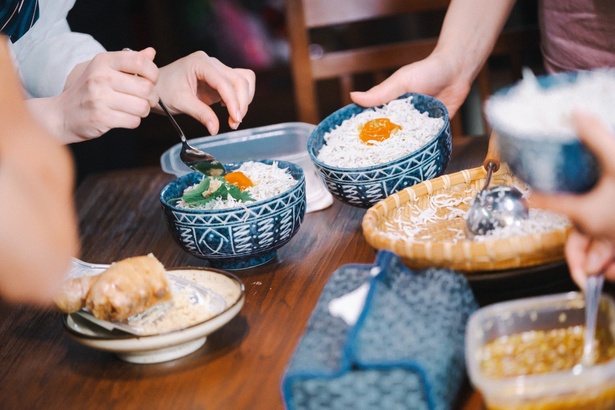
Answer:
(405, 351)
(17, 16)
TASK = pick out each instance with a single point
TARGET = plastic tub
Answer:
(576, 388)
(286, 142)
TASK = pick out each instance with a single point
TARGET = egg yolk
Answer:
(240, 179)
(378, 129)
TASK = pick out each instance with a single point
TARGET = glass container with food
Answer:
(525, 354)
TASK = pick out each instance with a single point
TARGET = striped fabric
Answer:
(17, 16)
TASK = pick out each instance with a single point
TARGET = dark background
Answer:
(176, 29)
(241, 33)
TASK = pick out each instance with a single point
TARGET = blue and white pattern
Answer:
(548, 164)
(364, 187)
(406, 350)
(236, 238)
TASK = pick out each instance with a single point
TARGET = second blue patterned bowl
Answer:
(364, 187)
(241, 237)
(547, 163)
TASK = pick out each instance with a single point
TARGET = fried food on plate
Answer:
(128, 287)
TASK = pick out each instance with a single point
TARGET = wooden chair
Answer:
(304, 17)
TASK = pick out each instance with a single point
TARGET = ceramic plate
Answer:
(171, 345)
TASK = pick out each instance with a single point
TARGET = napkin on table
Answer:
(382, 337)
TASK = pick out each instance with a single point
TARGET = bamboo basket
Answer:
(440, 250)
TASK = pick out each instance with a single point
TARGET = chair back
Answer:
(313, 66)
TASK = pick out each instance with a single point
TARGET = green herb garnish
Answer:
(196, 198)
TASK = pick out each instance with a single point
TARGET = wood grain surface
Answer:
(241, 365)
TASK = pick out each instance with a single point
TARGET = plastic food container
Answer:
(575, 388)
(286, 142)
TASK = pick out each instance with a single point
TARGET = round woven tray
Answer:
(438, 248)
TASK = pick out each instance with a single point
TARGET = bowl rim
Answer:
(248, 206)
(574, 143)
(404, 158)
(544, 82)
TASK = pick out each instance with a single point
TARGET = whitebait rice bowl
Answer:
(267, 182)
(366, 154)
(229, 222)
(345, 149)
(535, 131)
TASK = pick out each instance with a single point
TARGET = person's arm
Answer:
(469, 32)
(81, 91)
(113, 90)
(76, 89)
(49, 50)
(38, 227)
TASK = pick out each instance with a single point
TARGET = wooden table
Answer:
(240, 366)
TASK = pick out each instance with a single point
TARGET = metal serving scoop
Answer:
(196, 159)
(497, 206)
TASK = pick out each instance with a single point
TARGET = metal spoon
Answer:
(196, 159)
(593, 291)
(494, 207)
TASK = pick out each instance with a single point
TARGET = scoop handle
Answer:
(493, 153)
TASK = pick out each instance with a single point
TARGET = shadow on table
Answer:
(93, 363)
(499, 286)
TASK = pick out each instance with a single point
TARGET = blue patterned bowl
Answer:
(364, 187)
(236, 238)
(546, 164)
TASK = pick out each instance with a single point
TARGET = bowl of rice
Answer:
(366, 154)
(238, 221)
(533, 122)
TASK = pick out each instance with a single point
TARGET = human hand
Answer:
(587, 256)
(435, 76)
(193, 83)
(113, 90)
